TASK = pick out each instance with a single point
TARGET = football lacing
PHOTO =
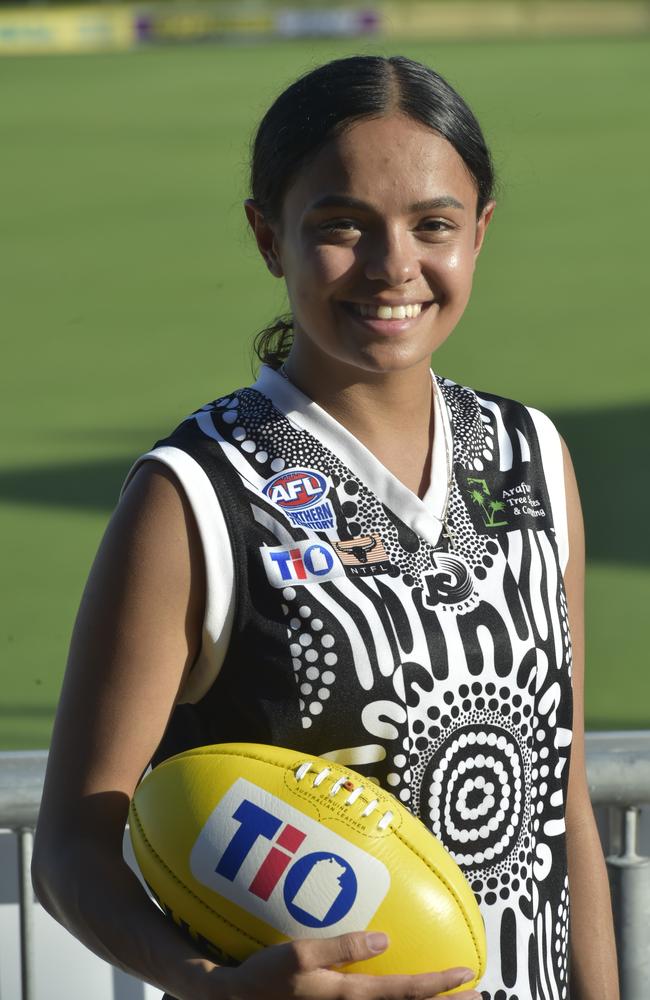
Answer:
(319, 778)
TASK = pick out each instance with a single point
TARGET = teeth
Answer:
(409, 311)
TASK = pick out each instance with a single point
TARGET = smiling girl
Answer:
(355, 558)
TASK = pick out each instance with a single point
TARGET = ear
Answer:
(265, 237)
(481, 225)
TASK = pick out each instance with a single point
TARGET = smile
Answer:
(407, 311)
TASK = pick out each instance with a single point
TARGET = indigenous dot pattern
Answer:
(473, 449)
(474, 435)
(312, 656)
(275, 444)
(477, 747)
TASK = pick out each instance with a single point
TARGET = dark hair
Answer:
(322, 104)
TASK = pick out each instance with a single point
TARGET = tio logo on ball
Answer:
(284, 867)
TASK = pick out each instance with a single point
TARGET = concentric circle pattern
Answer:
(445, 670)
(473, 795)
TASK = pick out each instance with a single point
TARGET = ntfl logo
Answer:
(286, 868)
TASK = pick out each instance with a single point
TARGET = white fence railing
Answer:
(618, 767)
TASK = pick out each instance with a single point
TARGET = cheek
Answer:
(313, 273)
(458, 265)
(330, 264)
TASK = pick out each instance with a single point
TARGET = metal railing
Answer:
(618, 770)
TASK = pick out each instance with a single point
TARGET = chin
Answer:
(385, 362)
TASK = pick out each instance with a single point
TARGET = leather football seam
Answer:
(187, 888)
(348, 821)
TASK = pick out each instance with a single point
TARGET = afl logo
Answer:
(296, 489)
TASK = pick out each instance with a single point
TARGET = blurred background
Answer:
(131, 290)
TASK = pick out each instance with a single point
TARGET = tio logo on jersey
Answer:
(300, 494)
(302, 562)
(289, 870)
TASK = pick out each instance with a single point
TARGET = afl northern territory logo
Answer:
(300, 494)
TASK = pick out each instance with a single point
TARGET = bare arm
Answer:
(136, 636)
(594, 974)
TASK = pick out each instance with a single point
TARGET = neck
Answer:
(391, 413)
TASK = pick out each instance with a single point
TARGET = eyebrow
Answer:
(347, 201)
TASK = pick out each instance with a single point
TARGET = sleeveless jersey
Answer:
(435, 662)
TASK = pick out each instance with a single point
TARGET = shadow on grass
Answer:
(18, 709)
(93, 485)
(609, 449)
(610, 454)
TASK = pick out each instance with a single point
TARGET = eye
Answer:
(436, 225)
(340, 226)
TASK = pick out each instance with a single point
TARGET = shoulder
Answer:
(200, 421)
(456, 393)
(504, 416)
(512, 438)
(154, 513)
(181, 453)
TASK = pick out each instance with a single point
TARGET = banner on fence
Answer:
(83, 29)
(512, 18)
(331, 23)
(32, 30)
(197, 22)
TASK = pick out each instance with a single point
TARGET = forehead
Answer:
(388, 162)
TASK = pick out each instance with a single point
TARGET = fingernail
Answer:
(377, 941)
(468, 975)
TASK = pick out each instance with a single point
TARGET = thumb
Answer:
(348, 948)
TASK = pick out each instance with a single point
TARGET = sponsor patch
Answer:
(302, 562)
(450, 584)
(505, 502)
(364, 555)
(301, 495)
(286, 868)
(521, 499)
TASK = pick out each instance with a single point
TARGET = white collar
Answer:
(422, 515)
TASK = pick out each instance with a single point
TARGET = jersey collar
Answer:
(422, 515)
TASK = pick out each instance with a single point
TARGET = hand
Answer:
(302, 970)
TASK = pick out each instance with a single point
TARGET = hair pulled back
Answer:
(324, 102)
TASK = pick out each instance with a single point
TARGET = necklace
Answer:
(449, 463)
(447, 530)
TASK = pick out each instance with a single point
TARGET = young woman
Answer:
(355, 558)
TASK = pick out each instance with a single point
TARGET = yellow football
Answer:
(248, 845)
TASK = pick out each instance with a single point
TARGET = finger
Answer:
(423, 986)
(465, 995)
(322, 953)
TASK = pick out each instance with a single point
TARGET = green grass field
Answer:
(131, 292)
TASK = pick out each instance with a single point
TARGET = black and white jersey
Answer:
(343, 621)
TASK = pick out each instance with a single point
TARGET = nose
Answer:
(393, 258)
